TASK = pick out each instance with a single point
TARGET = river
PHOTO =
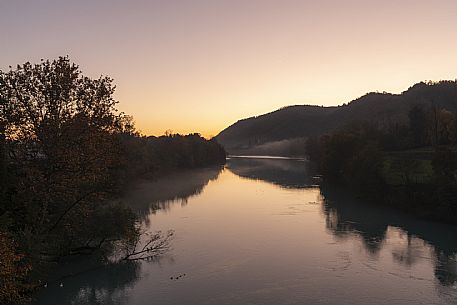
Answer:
(259, 232)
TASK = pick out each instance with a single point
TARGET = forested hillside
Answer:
(384, 109)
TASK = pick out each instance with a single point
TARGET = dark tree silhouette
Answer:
(418, 124)
(65, 153)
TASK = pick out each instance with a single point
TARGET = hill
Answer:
(282, 131)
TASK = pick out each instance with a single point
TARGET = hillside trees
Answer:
(418, 125)
(413, 167)
(432, 126)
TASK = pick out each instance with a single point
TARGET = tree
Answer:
(13, 271)
(418, 125)
(63, 154)
(444, 165)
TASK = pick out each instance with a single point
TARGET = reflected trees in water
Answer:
(149, 196)
(374, 224)
(92, 283)
(345, 216)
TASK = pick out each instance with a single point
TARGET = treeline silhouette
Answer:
(411, 166)
(303, 121)
(152, 155)
(65, 154)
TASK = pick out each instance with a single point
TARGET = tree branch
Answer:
(69, 209)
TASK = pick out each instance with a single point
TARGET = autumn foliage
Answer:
(65, 154)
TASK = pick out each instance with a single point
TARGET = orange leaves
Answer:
(12, 272)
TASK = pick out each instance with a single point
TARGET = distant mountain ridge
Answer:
(301, 121)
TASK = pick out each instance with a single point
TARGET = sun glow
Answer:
(200, 66)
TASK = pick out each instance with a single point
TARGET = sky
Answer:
(201, 65)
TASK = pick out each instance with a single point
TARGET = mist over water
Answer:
(259, 232)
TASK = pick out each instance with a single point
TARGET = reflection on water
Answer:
(257, 233)
(283, 172)
(148, 196)
(346, 217)
(90, 283)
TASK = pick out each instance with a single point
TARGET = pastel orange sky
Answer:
(199, 66)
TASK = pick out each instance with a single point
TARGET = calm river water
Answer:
(259, 232)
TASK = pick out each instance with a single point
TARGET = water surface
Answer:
(259, 232)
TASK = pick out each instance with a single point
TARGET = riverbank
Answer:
(421, 181)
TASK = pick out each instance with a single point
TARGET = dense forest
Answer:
(65, 153)
(284, 127)
(411, 166)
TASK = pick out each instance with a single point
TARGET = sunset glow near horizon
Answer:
(199, 66)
